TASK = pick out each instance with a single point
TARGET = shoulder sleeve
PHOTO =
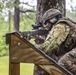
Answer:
(55, 37)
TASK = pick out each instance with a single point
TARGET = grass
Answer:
(25, 69)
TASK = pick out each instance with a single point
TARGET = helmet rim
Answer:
(51, 13)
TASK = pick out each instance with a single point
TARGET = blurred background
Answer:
(27, 18)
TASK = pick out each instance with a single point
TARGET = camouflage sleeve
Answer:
(55, 37)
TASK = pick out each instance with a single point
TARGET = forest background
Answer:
(26, 21)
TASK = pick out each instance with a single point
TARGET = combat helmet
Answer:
(51, 13)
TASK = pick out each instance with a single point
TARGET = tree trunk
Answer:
(9, 21)
(42, 7)
(16, 16)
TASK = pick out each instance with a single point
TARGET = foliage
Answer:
(1, 6)
(25, 24)
(71, 15)
(26, 21)
(3, 31)
(6, 12)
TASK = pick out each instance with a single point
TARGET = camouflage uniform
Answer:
(69, 61)
(60, 40)
(55, 37)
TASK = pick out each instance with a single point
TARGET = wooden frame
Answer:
(22, 51)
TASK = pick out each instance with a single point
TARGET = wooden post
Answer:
(14, 68)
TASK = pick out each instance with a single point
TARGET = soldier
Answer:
(61, 39)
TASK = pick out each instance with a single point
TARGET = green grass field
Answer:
(25, 69)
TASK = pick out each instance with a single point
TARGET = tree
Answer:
(16, 16)
(17, 12)
(42, 7)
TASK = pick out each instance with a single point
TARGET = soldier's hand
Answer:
(39, 39)
(28, 37)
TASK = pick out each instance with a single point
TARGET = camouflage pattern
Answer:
(60, 40)
(62, 37)
(55, 37)
(51, 13)
(69, 61)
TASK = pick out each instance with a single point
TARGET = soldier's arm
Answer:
(55, 37)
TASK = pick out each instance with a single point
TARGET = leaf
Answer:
(1, 6)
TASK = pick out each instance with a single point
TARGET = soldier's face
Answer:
(53, 20)
(50, 22)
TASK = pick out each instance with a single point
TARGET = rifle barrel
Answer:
(34, 33)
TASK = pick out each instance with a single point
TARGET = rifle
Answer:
(37, 26)
(34, 33)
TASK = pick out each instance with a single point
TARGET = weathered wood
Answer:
(14, 68)
(23, 51)
(8, 39)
